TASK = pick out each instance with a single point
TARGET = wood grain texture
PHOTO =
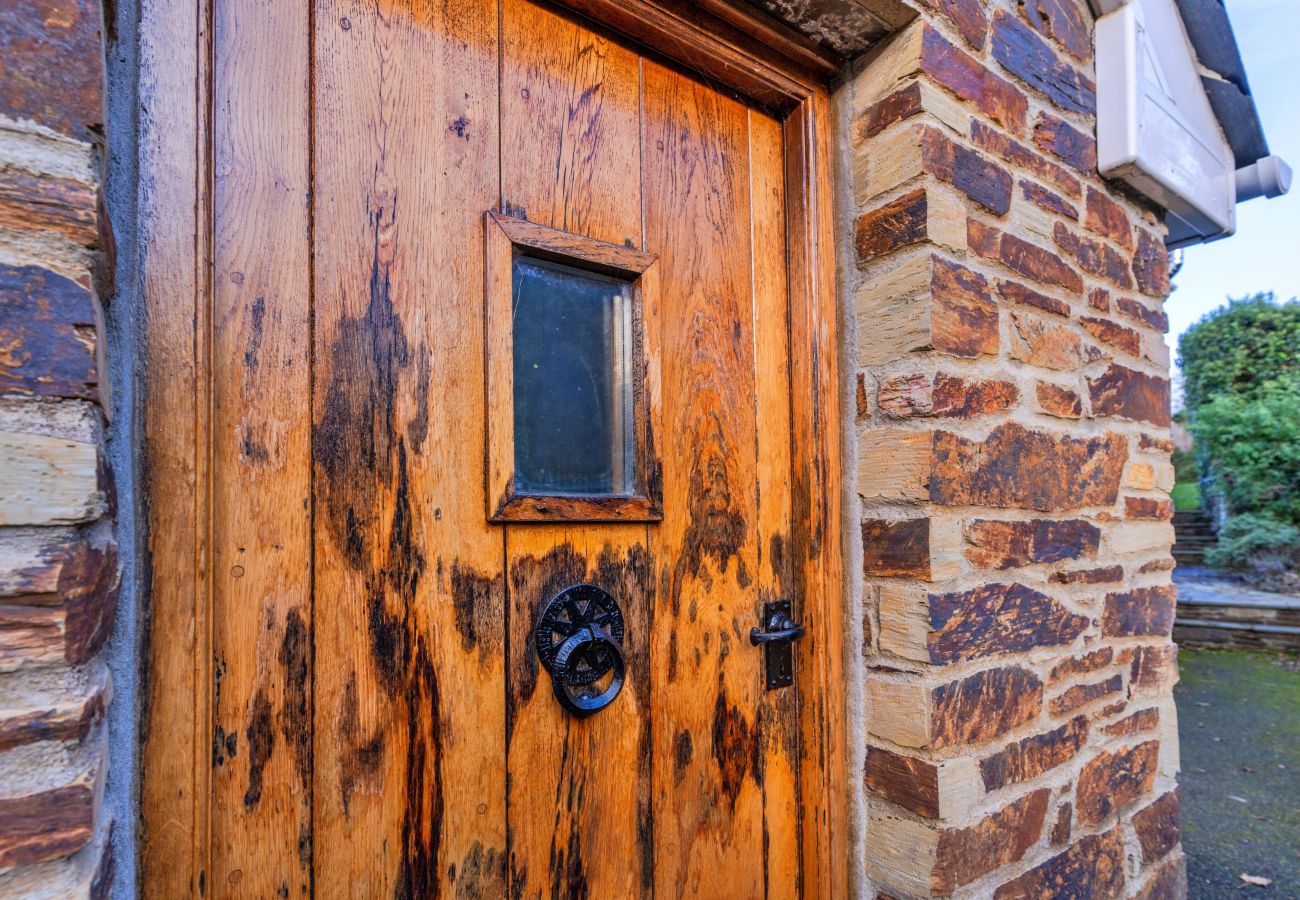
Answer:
(816, 542)
(174, 235)
(409, 708)
(260, 478)
(580, 792)
(708, 792)
(741, 51)
(779, 712)
(421, 629)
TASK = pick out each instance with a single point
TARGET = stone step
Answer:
(1243, 635)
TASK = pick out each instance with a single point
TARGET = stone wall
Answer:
(59, 571)
(1012, 438)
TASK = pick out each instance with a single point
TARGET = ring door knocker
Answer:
(578, 639)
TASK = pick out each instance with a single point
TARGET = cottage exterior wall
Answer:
(59, 571)
(1012, 697)
(1016, 733)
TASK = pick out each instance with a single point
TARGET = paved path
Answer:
(1239, 728)
(1202, 591)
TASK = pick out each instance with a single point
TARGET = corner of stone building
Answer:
(1014, 716)
(60, 576)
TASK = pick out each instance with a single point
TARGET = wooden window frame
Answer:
(505, 237)
(732, 45)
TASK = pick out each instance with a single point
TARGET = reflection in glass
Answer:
(572, 385)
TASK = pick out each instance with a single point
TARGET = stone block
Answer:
(979, 179)
(1070, 145)
(1142, 720)
(1058, 401)
(1018, 293)
(968, 78)
(899, 547)
(1140, 611)
(1048, 201)
(1151, 265)
(1081, 665)
(49, 329)
(1065, 21)
(1082, 694)
(1002, 544)
(1094, 257)
(920, 860)
(53, 69)
(1034, 755)
(49, 480)
(1107, 218)
(985, 621)
(944, 396)
(1045, 344)
(49, 823)
(1067, 472)
(988, 138)
(1158, 826)
(894, 465)
(1113, 334)
(1112, 780)
(1022, 257)
(1130, 394)
(930, 304)
(44, 203)
(1092, 867)
(983, 706)
(1025, 55)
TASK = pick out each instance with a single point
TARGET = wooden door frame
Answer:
(734, 47)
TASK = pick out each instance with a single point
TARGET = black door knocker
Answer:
(578, 638)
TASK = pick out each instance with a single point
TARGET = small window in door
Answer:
(572, 336)
(571, 413)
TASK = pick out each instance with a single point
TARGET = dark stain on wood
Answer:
(475, 599)
(735, 747)
(480, 874)
(354, 441)
(261, 741)
(362, 760)
(717, 528)
(422, 818)
(255, 336)
(295, 715)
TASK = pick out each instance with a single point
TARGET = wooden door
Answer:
(382, 725)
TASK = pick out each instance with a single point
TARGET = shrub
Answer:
(1238, 347)
(1252, 444)
(1267, 548)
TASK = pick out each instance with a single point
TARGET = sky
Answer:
(1264, 254)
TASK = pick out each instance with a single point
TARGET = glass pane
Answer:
(573, 397)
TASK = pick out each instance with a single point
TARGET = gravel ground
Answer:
(1239, 728)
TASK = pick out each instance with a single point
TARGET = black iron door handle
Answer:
(578, 640)
(777, 637)
(779, 628)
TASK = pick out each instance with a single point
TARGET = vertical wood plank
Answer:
(706, 677)
(817, 529)
(261, 741)
(779, 719)
(174, 222)
(579, 803)
(409, 715)
(579, 788)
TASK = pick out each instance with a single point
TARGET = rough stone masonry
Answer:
(59, 571)
(1012, 428)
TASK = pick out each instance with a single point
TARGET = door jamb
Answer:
(731, 45)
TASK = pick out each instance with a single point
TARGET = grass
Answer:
(1187, 495)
